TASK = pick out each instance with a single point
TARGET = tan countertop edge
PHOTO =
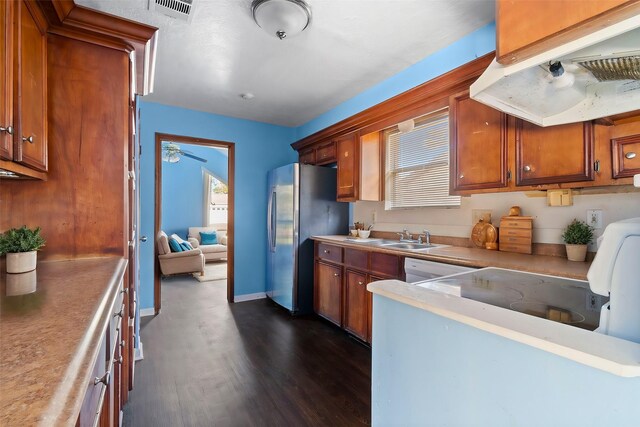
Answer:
(67, 400)
(603, 352)
(472, 257)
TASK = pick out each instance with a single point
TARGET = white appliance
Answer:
(599, 77)
(418, 270)
(615, 272)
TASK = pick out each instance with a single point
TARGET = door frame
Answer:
(230, 146)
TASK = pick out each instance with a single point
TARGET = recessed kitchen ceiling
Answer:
(351, 45)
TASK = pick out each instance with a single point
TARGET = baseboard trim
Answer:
(144, 312)
(139, 353)
(249, 297)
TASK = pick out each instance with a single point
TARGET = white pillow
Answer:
(175, 236)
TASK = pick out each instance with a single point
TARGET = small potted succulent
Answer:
(577, 236)
(21, 246)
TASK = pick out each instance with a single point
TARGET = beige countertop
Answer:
(472, 257)
(49, 339)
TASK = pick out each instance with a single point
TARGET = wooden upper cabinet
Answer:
(30, 138)
(527, 28)
(554, 154)
(6, 80)
(478, 145)
(308, 156)
(326, 153)
(347, 159)
(625, 154)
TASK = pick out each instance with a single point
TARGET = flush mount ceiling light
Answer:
(282, 18)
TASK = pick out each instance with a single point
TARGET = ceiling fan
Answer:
(172, 152)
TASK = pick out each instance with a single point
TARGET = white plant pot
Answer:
(576, 252)
(22, 262)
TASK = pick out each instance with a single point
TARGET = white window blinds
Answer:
(417, 164)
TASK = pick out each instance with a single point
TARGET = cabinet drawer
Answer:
(356, 258)
(626, 156)
(326, 153)
(526, 240)
(385, 264)
(516, 247)
(514, 223)
(308, 156)
(329, 252)
(515, 232)
(92, 403)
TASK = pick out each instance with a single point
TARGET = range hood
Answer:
(592, 77)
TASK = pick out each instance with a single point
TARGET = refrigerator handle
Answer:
(271, 220)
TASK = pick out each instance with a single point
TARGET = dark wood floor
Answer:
(210, 363)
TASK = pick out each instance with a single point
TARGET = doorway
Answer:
(207, 213)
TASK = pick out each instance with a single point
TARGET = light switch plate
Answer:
(594, 218)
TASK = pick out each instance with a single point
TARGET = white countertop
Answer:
(610, 354)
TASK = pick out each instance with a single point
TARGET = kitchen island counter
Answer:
(49, 339)
(479, 258)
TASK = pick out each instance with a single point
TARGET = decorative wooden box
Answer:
(516, 234)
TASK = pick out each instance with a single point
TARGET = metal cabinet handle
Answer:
(360, 282)
(122, 343)
(119, 314)
(104, 379)
(461, 176)
(28, 139)
(527, 168)
(336, 274)
(118, 360)
(630, 155)
(7, 129)
(326, 251)
(125, 291)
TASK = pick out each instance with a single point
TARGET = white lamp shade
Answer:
(278, 17)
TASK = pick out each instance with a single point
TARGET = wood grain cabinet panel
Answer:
(356, 306)
(356, 259)
(385, 264)
(326, 153)
(347, 160)
(625, 155)
(478, 145)
(327, 299)
(6, 80)
(30, 138)
(555, 154)
(308, 156)
(330, 252)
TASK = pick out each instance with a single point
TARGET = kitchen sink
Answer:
(410, 246)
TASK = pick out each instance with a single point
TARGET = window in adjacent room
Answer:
(417, 164)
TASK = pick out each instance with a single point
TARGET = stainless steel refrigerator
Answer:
(301, 203)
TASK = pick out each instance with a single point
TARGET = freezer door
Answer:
(282, 231)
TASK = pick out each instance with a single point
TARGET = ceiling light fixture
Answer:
(282, 18)
(561, 78)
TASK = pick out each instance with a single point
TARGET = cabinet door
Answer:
(6, 80)
(625, 154)
(308, 156)
(356, 305)
(478, 145)
(370, 309)
(30, 140)
(347, 168)
(554, 154)
(328, 292)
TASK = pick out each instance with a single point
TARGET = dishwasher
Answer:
(418, 270)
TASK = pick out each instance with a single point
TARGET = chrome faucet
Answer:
(427, 237)
(405, 236)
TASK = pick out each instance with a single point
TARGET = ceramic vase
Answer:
(21, 262)
(576, 252)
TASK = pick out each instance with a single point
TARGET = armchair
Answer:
(191, 261)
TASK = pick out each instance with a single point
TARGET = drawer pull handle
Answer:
(122, 343)
(461, 176)
(336, 274)
(7, 129)
(360, 282)
(28, 139)
(326, 251)
(103, 379)
(527, 168)
(630, 155)
(119, 314)
(118, 360)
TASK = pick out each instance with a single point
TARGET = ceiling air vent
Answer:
(179, 9)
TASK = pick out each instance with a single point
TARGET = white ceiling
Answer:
(350, 46)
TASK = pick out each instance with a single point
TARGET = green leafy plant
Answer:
(21, 239)
(578, 233)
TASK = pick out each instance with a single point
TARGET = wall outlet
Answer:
(478, 214)
(594, 218)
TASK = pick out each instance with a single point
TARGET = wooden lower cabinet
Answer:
(356, 305)
(327, 299)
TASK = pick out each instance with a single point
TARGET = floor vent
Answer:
(179, 9)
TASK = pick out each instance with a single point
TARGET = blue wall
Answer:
(468, 48)
(183, 188)
(430, 370)
(259, 148)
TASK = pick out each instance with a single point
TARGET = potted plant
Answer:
(21, 245)
(576, 237)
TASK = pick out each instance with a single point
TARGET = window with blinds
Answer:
(417, 164)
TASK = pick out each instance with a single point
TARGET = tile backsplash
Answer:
(548, 222)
